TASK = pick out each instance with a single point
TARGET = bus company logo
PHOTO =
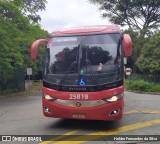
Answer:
(77, 89)
(78, 104)
(6, 138)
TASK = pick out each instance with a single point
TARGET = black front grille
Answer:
(88, 88)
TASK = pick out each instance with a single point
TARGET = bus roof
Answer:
(87, 29)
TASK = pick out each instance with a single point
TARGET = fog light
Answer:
(46, 109)
(114, 112)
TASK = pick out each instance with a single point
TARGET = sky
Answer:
(60, 14)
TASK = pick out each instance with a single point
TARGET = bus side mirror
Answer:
(127, 43)
(34, 47)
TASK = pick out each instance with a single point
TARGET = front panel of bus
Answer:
(83, 77)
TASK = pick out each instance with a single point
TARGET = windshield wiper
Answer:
(66, 74)
(69, 69)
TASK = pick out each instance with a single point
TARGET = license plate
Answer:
(79, 116)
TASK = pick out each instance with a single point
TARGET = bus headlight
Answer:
(114, 98)
(49, 98)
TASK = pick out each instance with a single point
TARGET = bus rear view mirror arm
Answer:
(127, 43)
(35, 46)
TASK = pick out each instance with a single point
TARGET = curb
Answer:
(14, 95)
(18, 94)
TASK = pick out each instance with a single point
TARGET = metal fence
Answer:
(149, 78)
(16, 84)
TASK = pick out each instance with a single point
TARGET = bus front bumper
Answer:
(107, 111)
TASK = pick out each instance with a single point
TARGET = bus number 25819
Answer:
(78, 96)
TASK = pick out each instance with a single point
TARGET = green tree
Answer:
(149, 60)
(30, 8)
(16, 36)
(12, 24)
(143, 15)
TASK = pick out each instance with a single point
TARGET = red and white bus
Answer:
(84, 72)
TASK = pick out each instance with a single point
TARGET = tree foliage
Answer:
(30, 8)
(16, 36)
(12, 23)
(149, 60)
(140, 14)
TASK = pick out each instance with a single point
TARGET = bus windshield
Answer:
(84, 60)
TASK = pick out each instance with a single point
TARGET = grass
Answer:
(141, 85)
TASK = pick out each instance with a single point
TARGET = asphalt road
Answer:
(22, 115)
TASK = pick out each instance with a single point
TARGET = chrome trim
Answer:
(73, 103)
